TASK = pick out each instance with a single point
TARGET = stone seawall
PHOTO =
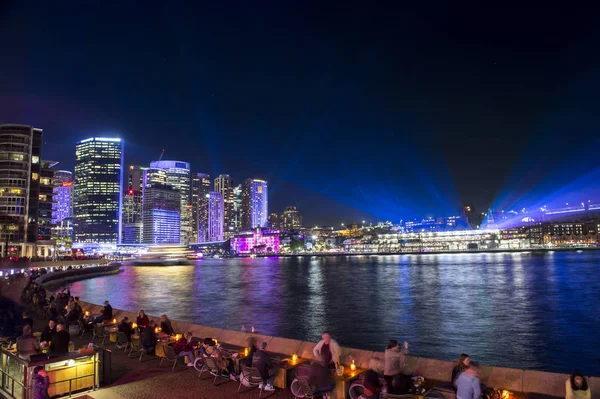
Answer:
(514, 380)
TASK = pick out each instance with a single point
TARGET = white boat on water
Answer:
(164, 255)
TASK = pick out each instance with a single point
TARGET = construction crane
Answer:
(161, 155)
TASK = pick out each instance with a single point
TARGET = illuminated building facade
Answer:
(291, 219)
(161, 207)
(237, 208)
(273, 220)
(46, 201)
(135, 177)
(200, 189)
(98, 190)
(470, 215)
(216, 216)
(178, 177)
(62, 208)
(255, 204)
(224, 185)
(132, 217)
(20, 175)
(257, 241)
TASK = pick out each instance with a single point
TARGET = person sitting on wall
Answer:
(577, 387)
(165, 325)
(149, 337)
(106, 313)
(329, 350)
(60, 341)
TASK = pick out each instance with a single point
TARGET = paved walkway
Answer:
(134, 379)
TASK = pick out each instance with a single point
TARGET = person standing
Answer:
(329, 350)
(40, 383)
(467, 384)
(27, 345)
(394, 360)
(60, 341)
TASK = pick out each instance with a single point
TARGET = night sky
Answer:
(351, 113)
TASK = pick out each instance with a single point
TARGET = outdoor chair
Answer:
(145, 351)
(212, 365)
(135, 344)
(252, 378)
(200, 365)
(301, 389)
(122, 340)
(170, 356)
(99, 332)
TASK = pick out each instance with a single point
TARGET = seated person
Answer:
(49, 331)
(577, 387)
(400, 384)
(27, 344)
(394, 360)
(149, 337)
(142, 320)
(247, 361)
(268, 371)
(215, 352)
(125, 327)
(60, 341)
(106, 313)
(372, 385)
(320, 378)
(165, 325)
(183, 347)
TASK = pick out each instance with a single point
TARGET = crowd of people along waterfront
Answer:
(62, 316)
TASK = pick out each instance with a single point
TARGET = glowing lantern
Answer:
(505, 394)
(178, 337)
(246, 351)
(353, 366)
(134, 325)
(87, 313)
(156, 330)
(114, 321)
(294, 357)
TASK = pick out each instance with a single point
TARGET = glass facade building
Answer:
(224, 185)
(178, 177)
(200, 189)
(216, 215)
(98, 190)
(160, 209)
(255, 205)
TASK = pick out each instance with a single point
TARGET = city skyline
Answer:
(364, 113)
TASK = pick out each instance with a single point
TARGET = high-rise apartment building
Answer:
(20, 175)
(46, 201)
(161, 207)
(216, 215)
(200, 189)
(178, 177)
(291, 219)
(62, 208)
(224, 185)
(470, 215)
(273, 220)
(98, 190)
(237, 208)
(132, 223)
(255, 204)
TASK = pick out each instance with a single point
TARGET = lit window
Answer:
(34, 176)
(35, 159)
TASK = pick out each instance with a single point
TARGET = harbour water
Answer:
(522, 310)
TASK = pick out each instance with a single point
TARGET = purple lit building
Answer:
(215, 216)
(62, 208)
(256, 241)
(255, 204)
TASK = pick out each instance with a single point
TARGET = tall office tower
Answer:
(255, 204)
(237, 208)
(273, 220)
(224, 185)
(216, 216)
(135, 178)
(161, 207)
(178, 177)
(469, 214)
(291, 219)
(98, 190)
(46, 200)
(20, 174)
(62, 208)
(200, 190)
(132, 217)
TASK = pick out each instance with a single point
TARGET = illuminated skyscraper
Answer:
(215, 216)
(98, 190)
(224, 185)
(273, 220)
(255, 204)
(161, 207)
(135, 177)
(200, 190)
(178, 177)
(291, 219)
(62, 208)
(237, 208)
(20, 170)
(132, 223)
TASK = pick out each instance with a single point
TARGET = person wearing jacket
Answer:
(49, 331)
(394, 360)
(329, 350)
(142, 320)
(40, 383)
(467, 384)
(183, 347)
